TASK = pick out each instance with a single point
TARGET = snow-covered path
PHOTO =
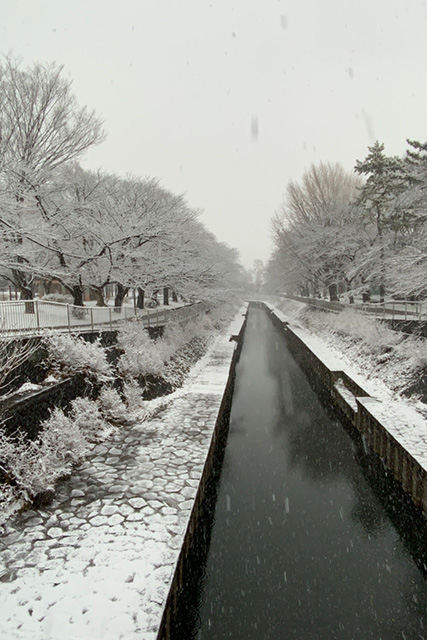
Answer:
(99, 562)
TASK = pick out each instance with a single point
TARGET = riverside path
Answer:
(98, 563)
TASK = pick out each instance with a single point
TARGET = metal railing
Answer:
(35, 316)
(391, 310)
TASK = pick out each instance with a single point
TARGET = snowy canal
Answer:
(304, 543)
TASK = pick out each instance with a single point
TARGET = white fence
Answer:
(36, 316)
(391, 310)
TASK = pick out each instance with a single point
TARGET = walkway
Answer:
(59, 317)
(98, 563)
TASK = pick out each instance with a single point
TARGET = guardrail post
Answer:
(91, 317)
(36, 302)
(111, 322)
(148, 317)
(157, 316)
(68, 317)
(406, 309)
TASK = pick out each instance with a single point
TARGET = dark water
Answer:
(302, 545)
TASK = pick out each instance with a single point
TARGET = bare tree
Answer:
(322, 188)
(313, 228)
(41, 128)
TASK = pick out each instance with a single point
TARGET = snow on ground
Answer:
(403, 418)
(99, 562)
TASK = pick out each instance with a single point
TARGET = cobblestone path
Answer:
(98, 562)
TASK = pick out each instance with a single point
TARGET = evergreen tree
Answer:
(386, 182)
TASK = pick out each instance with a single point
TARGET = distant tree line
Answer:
(356, 233)
(88, 229)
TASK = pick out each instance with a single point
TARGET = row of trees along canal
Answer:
(88, 229)
(359, 232)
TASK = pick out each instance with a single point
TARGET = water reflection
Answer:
(302, 546)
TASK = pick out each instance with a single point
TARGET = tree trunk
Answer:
(333, 292)
(24, 289)
(27, 295)
(47, 284)
(382, 253)
(140, 298)
(165, 296)
(366, 296)
(99, 297)
(347, 286)
(174, 296)
(120, 295)
(77, 293)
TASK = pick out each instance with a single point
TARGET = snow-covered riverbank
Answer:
(98, 563)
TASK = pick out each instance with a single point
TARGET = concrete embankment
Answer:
(396, 434)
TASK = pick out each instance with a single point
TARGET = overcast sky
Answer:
(226, 100)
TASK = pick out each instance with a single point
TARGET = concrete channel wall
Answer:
(191, 538)
(362, 411)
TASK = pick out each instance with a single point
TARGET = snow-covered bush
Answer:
(141, 355)
(31, 467)
(13, 354)
(10, 501)
(19, 463)
(58, 297)
(133, 396)
(61, 441)
(70, 354)
(112, 406)
(87, 417)
(28, 468)
(414, 351)
(34, 466)
(357, 326)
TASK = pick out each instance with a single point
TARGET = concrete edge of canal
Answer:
(399, 450)
(219, 435)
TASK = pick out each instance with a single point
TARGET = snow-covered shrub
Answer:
(177, 334)
(13, 355)
(112, 406)
(10, 501)
(87, 417)
(414, 351)
(357, 326)
(28, 466)
(58, 297)
(61, 441)
(33, 466)
(70, 354)
(133, 395)
(141, 355)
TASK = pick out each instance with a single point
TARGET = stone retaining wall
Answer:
(25, 413)
(191, 537)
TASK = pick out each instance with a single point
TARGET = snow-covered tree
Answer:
(380, 200)
(41, 128)
(314, 229)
